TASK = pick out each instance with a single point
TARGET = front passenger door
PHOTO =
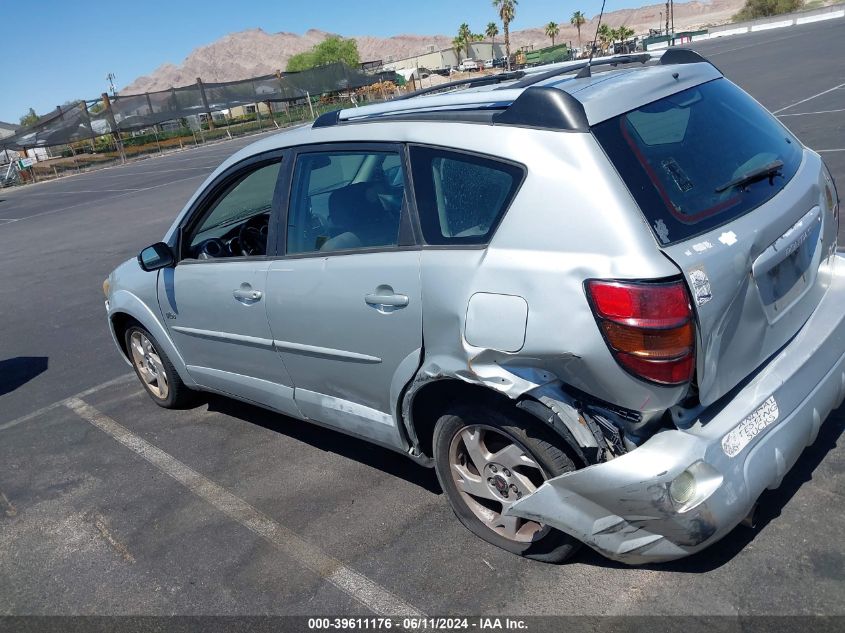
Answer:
(214, 299)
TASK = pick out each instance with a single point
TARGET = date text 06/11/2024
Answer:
(418, 623)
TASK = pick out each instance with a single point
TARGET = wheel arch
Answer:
(127, 310)
(120, 322)
(426, 401)
(424, 404)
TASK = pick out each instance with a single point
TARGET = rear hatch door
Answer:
(755, 281)
(737, 204)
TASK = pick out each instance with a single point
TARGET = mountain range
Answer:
(255, 52)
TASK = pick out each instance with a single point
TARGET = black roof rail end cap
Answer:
(544, 107)
(681, 56)
(327, 120)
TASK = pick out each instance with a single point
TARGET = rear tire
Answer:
(485, 460)
(155, 371)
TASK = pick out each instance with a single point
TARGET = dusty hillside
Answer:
(255, 52)
(688, 15)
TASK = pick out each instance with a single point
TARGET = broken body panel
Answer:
(734, 450)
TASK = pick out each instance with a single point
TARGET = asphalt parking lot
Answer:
(110, 505)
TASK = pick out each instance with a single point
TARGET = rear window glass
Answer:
(685, 157)
(461, 197)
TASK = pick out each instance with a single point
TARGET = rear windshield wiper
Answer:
(769, 170)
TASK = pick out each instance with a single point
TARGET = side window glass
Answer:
(461, 197)
(237, 222)
(345, 200)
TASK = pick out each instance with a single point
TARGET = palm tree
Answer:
(465, 36)
(507, 11)
(605, 36)
(625, 33)
(577, 20)
(458, 44)
(491, 31)
(552, 31)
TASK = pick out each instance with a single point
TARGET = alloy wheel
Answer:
(148, 364)
(492, 471)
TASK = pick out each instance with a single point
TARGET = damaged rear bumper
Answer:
(628, 508)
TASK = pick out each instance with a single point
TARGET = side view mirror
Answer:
(157, 256)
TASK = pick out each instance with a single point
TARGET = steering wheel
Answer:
(253, 236)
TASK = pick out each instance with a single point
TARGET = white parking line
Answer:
(31, 416)
(823, 92)
(816, 112)
(755, 44)
(356, 585)
(822, 151)
(94, 202)
(61, 193)
(127, 173)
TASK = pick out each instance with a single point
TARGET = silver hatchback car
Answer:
(603, 301)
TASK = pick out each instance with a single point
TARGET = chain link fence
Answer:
(99, 132)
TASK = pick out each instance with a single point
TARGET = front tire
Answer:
(155, 371)
(485, 461)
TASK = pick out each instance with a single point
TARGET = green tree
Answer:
(764, 8)
(458, 45)
(465, 37)
(577, 20)
(625, 33)
(30, 118)
(492, 31)
(605, 36)
(552, 30)
(330, 50)
(507, 12)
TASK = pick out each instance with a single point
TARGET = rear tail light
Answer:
(648, 327)
(832, 197)
(832, 200)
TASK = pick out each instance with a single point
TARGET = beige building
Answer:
(245, 110)
(447, 58)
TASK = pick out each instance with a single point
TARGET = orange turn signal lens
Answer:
(650, 344)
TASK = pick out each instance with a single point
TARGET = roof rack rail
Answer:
(470, 83)
(521, 103)
(581, 67)
(621, 59)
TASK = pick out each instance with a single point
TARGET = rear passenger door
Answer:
(344, 301)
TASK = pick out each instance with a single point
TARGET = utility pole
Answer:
(672, 6)
(111, 77)
(283, 93)
(205, 105)
(113, 125)
(83, 106)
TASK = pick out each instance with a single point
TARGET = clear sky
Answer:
(58, 50)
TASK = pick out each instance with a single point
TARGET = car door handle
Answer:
(386, 300)
(245, 294)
